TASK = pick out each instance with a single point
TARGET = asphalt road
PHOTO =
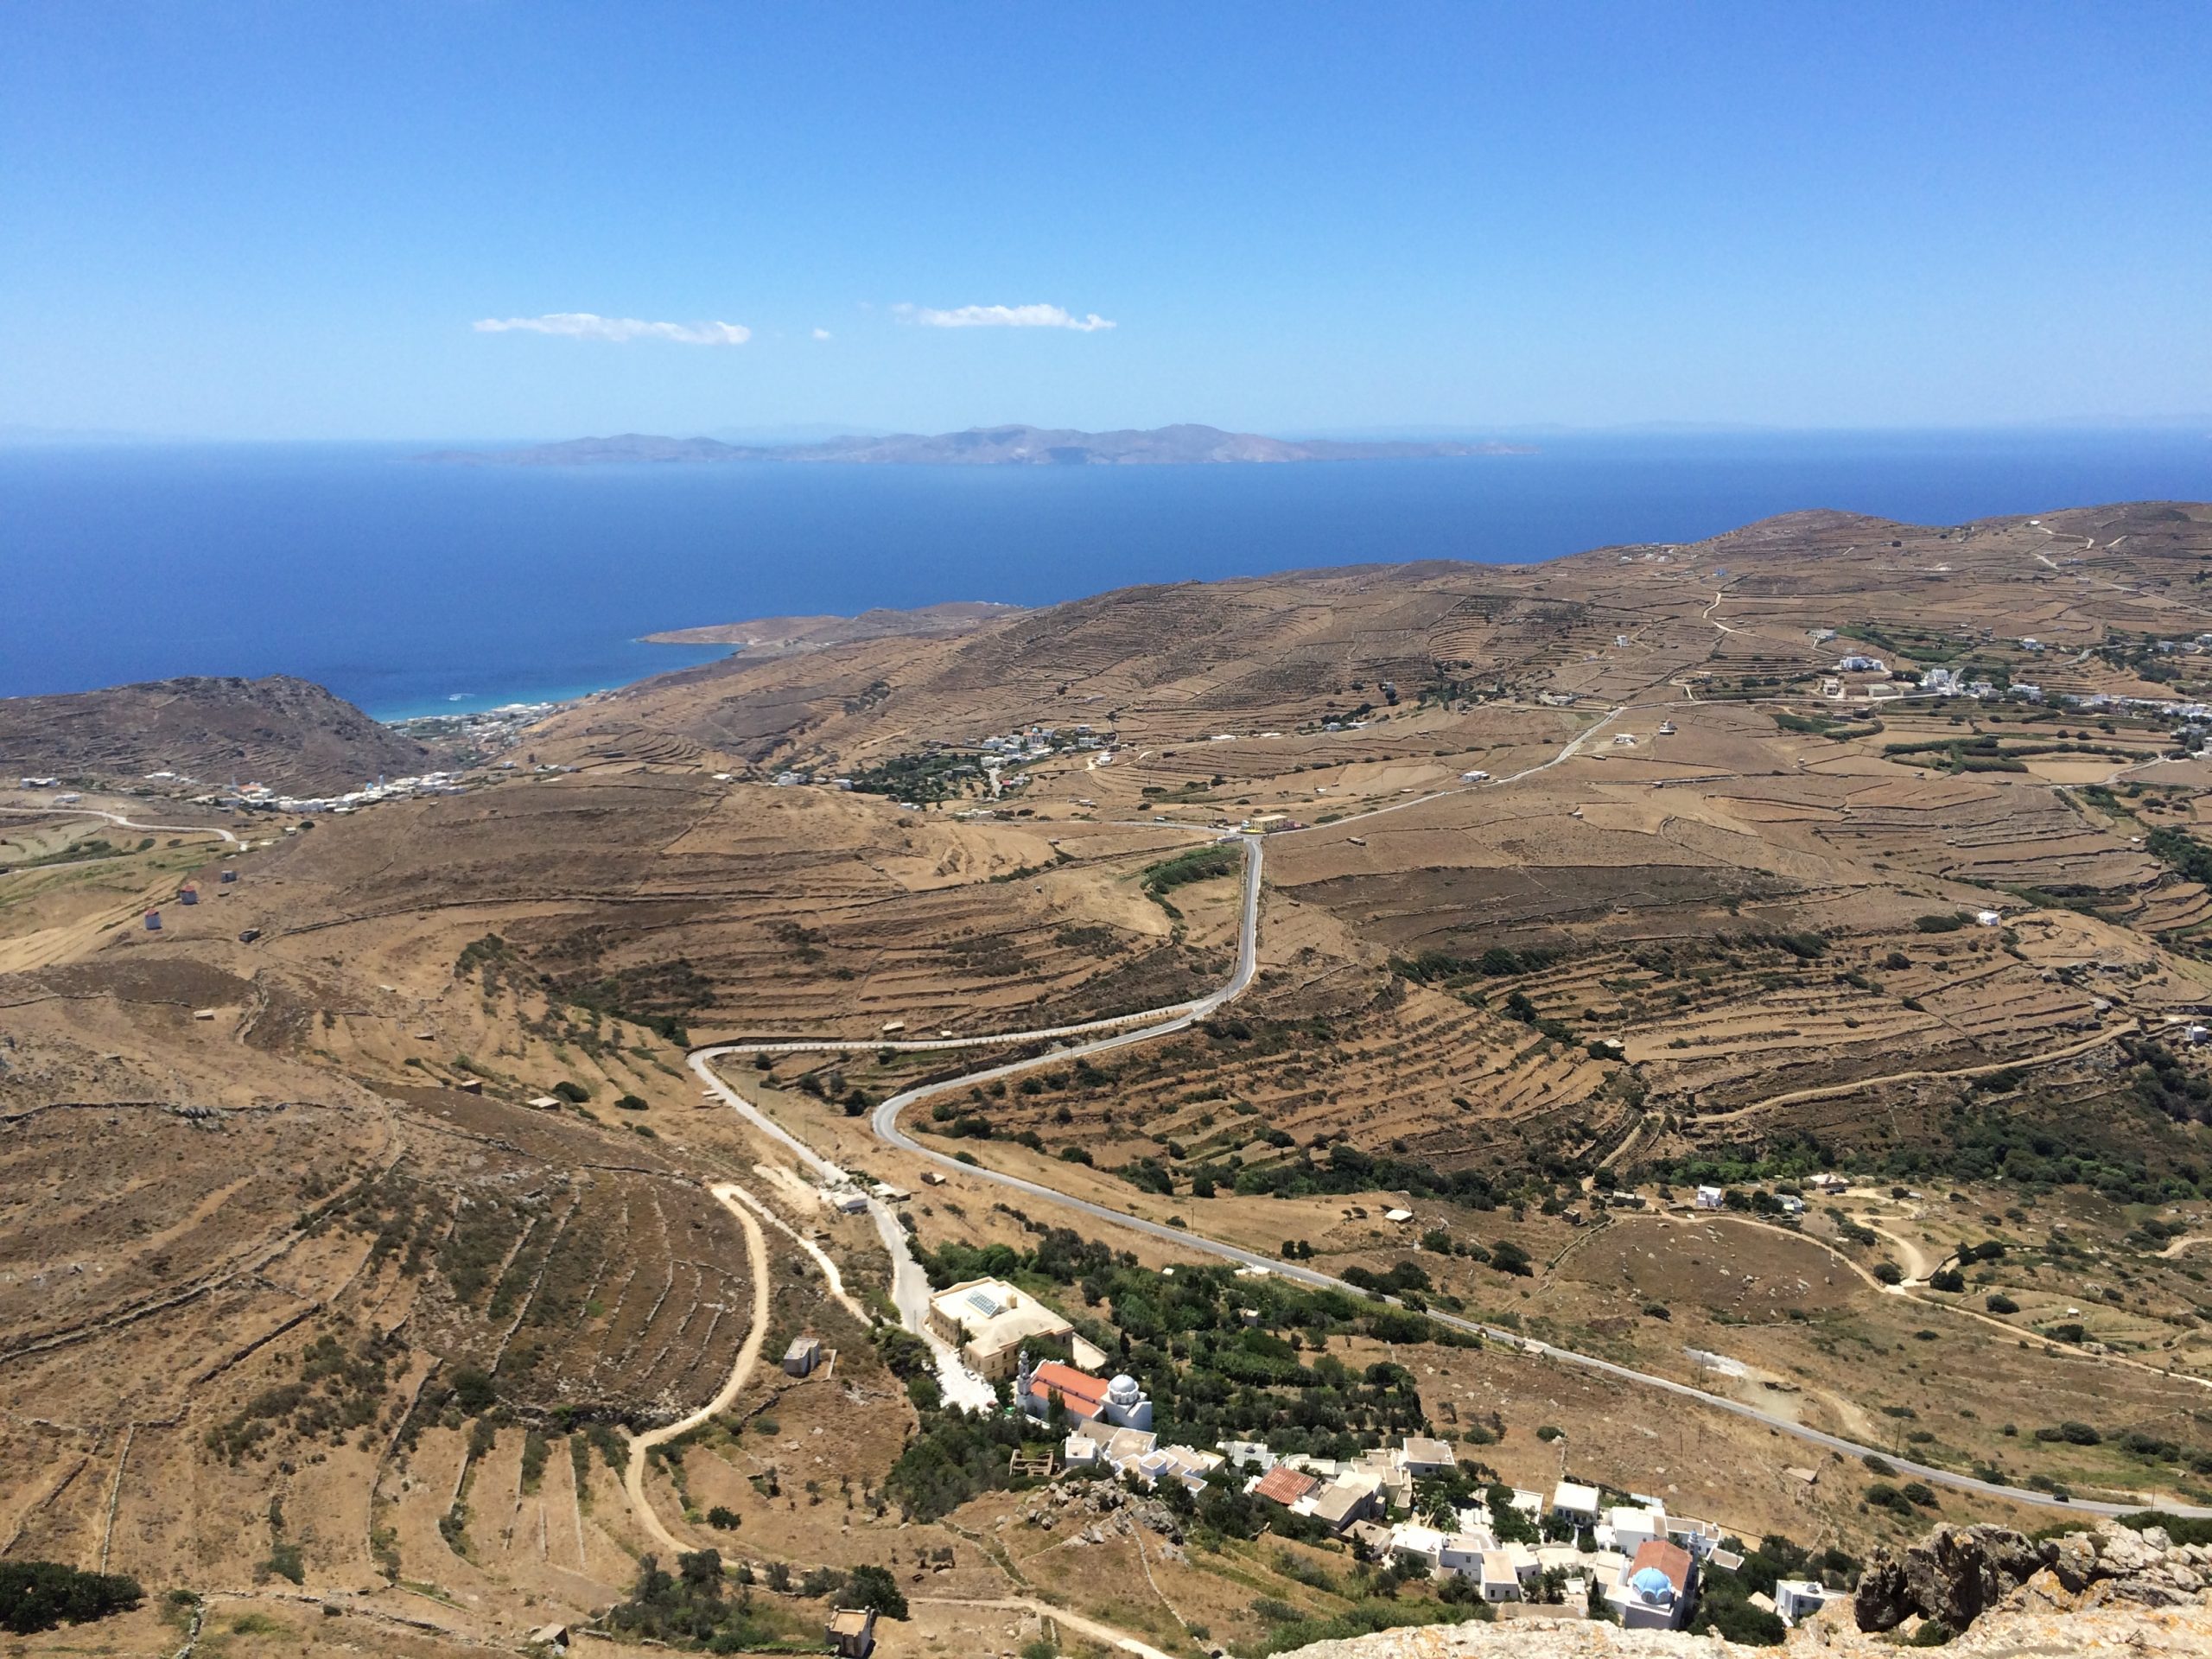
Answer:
(1181, 1016)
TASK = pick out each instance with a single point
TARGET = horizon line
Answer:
(25, 435)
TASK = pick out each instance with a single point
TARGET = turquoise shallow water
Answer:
(414, 589)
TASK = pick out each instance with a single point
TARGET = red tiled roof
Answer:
(1284, 1486)
(1068, 1382)
(1082, 1395)
(1671, 1559)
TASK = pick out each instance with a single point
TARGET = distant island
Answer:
(986, 446)
(783, 635)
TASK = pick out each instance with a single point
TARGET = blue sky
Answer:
(285, 220)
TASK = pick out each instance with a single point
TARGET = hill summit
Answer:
(288, 733)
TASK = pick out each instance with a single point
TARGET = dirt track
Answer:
(885, 1123)
(633, 1475)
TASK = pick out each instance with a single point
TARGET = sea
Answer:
(414, 589)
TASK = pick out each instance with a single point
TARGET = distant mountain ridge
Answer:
(984, 446)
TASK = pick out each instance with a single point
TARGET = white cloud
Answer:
(822, 334)
(583, 325)
(1003, 316)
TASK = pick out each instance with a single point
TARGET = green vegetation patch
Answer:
(1212, 1375)
(40, 1595)
(1199, 864)
(934, 775)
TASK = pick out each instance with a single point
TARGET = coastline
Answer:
(399, 586)
(535, 692)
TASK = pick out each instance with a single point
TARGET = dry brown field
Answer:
(289, 1261)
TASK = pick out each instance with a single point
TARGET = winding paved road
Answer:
(1181, 1016)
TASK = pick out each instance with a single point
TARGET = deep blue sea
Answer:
(414, 589)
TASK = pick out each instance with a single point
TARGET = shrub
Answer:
(39, 1595)
(722, 1517)
(574, 1093)
(472, 1391)
(1883, 1495)
(2072, 1434)
(1998, 1302)
(874, 1586)
(534, 1451)
(285, 1561)
(631, 1102)
(1725, 1607)
(1949, 1279)
(1889, 1272)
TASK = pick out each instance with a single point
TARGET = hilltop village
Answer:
(1582, 1549)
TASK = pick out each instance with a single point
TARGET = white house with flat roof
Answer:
(1422, 1457)
(1627, 1530)
(1418, 1546)
(1800, 1598)
(1463, 1553)
(1509, 1573)
(1576, 1503)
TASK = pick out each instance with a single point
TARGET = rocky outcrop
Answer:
(1094, 1510)
(2133, 1633)
(1954, 1575)
(2008, 1596)
(2119, 1568)
(1957, 1575)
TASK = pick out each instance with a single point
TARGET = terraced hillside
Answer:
(356, 1224)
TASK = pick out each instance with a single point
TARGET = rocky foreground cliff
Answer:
(2110, 1591)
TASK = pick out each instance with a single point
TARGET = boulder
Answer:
(1884, 1599)
(2122, 1553)
(2074, 1562)
(1952, 1576)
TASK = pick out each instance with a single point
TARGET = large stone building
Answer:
(990, 1322)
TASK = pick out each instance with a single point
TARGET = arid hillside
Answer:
(362, 1226)
(293, 736)
(1731, 616)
